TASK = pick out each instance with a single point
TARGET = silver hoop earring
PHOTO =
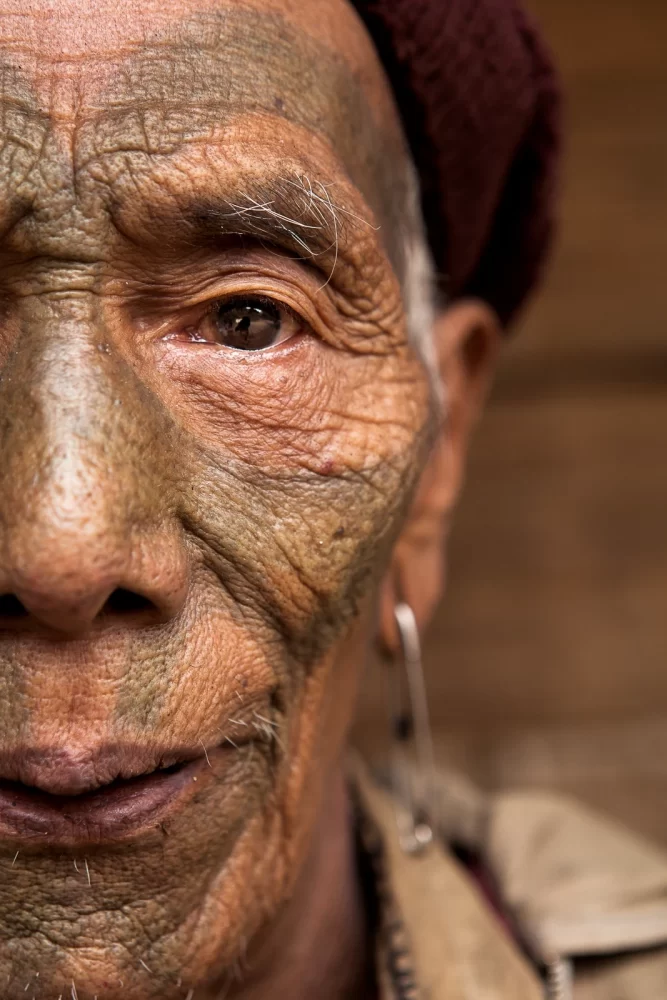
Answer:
(413, 762)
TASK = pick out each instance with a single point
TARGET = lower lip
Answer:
(118, 812)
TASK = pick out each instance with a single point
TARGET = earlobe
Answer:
(467, 339)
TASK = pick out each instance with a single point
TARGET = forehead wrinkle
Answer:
(189, 81)
(220, 65)
(23, 122)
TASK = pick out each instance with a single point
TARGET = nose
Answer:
(71, 581)
(86, 533)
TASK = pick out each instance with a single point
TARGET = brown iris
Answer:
(252, 324)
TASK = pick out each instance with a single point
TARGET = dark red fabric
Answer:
(480, 104)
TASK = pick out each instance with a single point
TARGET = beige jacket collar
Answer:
(437, 939)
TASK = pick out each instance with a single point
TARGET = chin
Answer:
(154, 912)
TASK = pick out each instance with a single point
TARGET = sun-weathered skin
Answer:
(252, 499)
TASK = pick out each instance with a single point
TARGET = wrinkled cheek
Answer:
(287, 588)
(213, 671)
(293, 556)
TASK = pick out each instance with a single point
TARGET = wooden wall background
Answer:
(547, 662)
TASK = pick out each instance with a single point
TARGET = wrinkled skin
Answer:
(198, 544)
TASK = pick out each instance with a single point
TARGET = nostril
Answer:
(126, 602)
(12, 607)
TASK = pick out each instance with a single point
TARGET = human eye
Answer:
(249, 323)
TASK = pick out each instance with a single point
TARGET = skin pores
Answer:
(192, 535)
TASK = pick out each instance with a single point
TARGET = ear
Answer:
(467, 339)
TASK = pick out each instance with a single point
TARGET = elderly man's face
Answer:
(211, 423)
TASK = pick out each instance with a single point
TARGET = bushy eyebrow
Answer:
(300, 214)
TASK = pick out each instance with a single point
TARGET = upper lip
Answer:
(72, 771)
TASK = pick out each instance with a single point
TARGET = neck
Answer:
(319, 947)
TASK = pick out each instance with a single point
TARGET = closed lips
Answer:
(58, 801)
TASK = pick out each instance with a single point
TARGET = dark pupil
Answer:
(248, 326)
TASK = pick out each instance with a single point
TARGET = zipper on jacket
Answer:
(560, 979)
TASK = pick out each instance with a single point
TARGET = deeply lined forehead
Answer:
(191, 77)
(218, 65)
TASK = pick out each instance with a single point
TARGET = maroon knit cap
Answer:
(479, 100)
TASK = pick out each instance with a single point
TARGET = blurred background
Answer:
(547, 662)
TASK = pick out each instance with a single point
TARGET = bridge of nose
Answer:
(85, 448)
